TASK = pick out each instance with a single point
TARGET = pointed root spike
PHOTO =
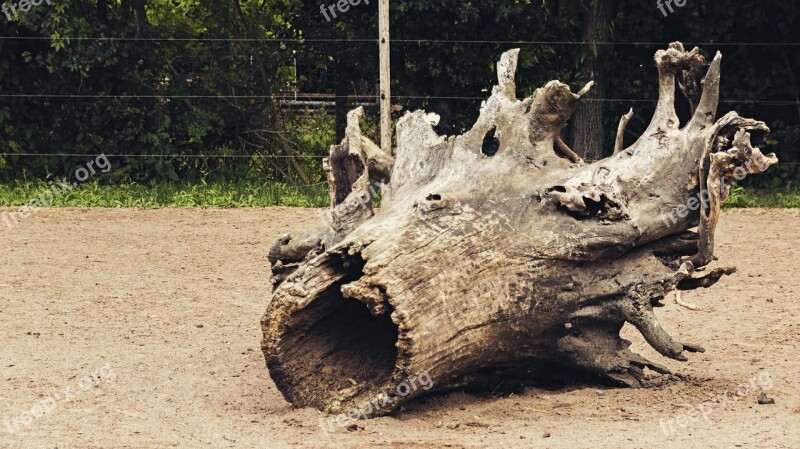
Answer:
(623, 123)
(585, 90)
(709, 100)
(506, 71)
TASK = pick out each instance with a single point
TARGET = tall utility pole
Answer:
(386, 80)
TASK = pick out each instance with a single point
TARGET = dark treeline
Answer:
(170, 86)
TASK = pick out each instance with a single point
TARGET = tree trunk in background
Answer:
(135, 10)
(102, 9)
(586, 132)
(341, 99)
(567, 7)
(444, 107)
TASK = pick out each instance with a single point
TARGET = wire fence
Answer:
(399, 40)
(304, 96)
(287, 96)
(221, 156)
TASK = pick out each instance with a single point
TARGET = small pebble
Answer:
(763, 399)
(354, 427)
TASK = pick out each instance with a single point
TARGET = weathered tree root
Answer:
(479, 269)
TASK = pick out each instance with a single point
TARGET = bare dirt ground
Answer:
(163, 308)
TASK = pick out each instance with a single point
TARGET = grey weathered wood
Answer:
(482, 270)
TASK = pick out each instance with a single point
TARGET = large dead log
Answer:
(481, 269)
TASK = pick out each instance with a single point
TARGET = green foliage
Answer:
(244, 193)
(162, 100)
(170, 90)
(261, 193)
(742, 198)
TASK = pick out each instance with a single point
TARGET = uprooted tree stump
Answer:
(478, 269)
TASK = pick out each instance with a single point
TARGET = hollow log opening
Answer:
(335, 344)
(338, 343)
(500, 254)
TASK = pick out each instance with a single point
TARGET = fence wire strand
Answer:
(303, 97)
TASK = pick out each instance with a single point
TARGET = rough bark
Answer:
(340, 102)
(481, 270)
(135, 10)
(586, 131)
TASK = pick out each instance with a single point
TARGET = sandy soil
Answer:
(160, 309)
